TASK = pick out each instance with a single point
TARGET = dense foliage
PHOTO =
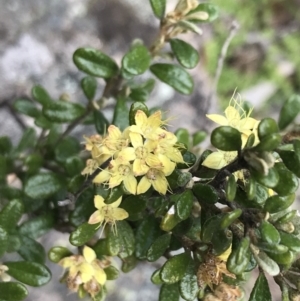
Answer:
(139, 192)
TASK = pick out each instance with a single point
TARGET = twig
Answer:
(233, 30)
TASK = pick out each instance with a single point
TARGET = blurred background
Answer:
(38, 38)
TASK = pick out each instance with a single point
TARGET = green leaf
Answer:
(269, 233)
(111, 272)
(291, 161)
(205, 193)
(210, 227)
(95, 62)
(268, 143)
(74, 165)
(175, 268)
(120, 118)
(3, 241)
(289, 111)
(158, 7)
(31, 273)
(32, 250)
(159, 247)
(11, 214)
(199, 137)
(129, 264)
(261, 290)
(42, 185)
(43, 122)
(189, 158)
(183, 136)
(83, 234)
(135, 206)
(38, 226)
(63, 111)
(270, 180)
(41, 95)
(185, 53)
(291, 241)
(26, 107)
(137, 60)
(12, 291)
(209, 8)
(184, 204)
(174, 76)
(226, 138)
(229, 217)
(278, 203)
(5, 145)
(137, 106)
(67, 148)
(169, 292)
(230, 188)
(89, 87)
(146, 234)
(290, 181)
(14, 243)
(56, 254)
(27, 141)
(188, 285)
(101, 123)
(33, 163)
(266, 127)
(265, 262)
(155, 277)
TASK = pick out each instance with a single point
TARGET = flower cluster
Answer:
(236, 117)
(144, 150)
(85, 272)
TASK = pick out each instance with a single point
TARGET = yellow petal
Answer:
(140, 118)
(130, 184)
(114, 132)
(215, 160)
(119, 214)
(248, 123)
(168, 165)
(127, 154)
(232, 113)
(154, 120)
(136, 139)
(139, 167)
(96, 218)
(115, 180)
(143, 185)
(100, 275)
(86, 272)
(174, 154)
(89, 254)
(135, 129)
(102, 177)
(99, 201)
(67, 262)
(160, 184)
(219, 119)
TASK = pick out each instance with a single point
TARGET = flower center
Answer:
(141, 152)
(234, 122)
(123, 170)
(152, 174)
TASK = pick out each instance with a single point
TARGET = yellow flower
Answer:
(84, 270)
(3, 275)
(224, 256)
(107, 213)
(242, 122)
(118, 171)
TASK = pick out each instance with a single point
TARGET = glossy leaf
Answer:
(169, 292)
(199, 137)
(28, 140)
(111, 272)
(12, 291)
(147, 232)
(261, 290)
(129, 264)
(174, 269)
(89, 87)
(26, 107)
(159, 247)
(189, 160)
(3, 241)
(230, 188)
(41, 95)
(205, 193)
(94, 62)
(63, 111)
(230, 217)
(291, 161)
(31, 250)
(174, 76)
(120, 118)
(83, 234)
(155, 277)
(211, 227)
(278, 203)
(67, 148)
(137, 60)
(158, 8)
(289, 111)
(185, 53)
(266, 127)
(37, 226)
(101, 123)
(11, 214)
(42, 185)
(188, 285)
(270, 180)
(268, 143)
(291, 241)
(135, 206)
(56, 254)
(269, 233)
(184, 204)
(226, 138)
(31, 273)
